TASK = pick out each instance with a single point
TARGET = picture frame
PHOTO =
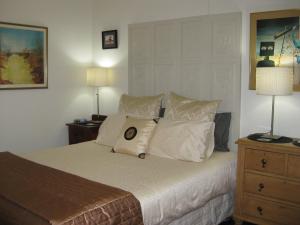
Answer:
(109, 39)
(275, 41)
(23, 56)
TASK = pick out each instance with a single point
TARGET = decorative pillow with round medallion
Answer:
(135, 136)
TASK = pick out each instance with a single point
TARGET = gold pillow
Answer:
(183, 140)
(135, 136)
(110, 129)
(182, 108)
(142, 107)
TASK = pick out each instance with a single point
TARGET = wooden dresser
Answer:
(268, 183)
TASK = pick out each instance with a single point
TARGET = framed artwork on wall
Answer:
(23, 56)
(109, 39)
(275, 42)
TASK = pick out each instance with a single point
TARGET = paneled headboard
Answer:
(198, 57)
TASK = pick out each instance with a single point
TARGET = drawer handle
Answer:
(263, 163)
(260, 210)
(261, 186)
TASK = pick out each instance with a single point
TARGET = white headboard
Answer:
(198, 57)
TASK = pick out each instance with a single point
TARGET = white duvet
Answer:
(167, 189)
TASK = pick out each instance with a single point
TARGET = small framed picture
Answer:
(109, 39)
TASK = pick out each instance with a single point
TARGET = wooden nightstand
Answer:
(81, 132)
(268, 183)
(85, 132)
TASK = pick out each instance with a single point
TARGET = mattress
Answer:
(167, 189)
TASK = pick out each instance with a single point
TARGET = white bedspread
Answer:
(167, 189)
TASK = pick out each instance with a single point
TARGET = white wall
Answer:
(256, 109)
(116, 14)
(35, 119)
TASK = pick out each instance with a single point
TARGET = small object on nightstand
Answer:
(261, 137)
(264, 139)
(80, 121)
(297, 143)
(91, 123)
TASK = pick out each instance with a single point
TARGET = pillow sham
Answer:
(183, 140)
(222, 127)
(135, 136)
(110, 129)
(143, 107)
(182, 108)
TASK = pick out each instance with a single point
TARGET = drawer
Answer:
(270, 211)
(264, 161)
(272, 187)
(294, 166)
(77, 134)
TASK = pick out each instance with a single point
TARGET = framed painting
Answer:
(23, 56)
(109, 39)
(275, 42)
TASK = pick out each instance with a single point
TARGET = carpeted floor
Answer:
(231, 222)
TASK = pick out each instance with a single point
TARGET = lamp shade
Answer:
(97, 77)
(274, 81)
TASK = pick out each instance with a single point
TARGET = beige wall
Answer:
(255, 110)
(35, 119)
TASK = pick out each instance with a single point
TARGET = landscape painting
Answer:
(23, 56)
(275, 42)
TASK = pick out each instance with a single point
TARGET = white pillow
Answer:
(110, 129)
(182, 108)
(183, 140)
(142, 107)
(135, 136)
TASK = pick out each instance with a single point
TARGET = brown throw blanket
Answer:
(33, 194)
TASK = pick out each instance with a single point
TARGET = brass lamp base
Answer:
(270, 136)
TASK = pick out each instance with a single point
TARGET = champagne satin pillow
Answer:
(183, 140)
(182, 108)
(142, 107)
(135, 136)
(110, 129)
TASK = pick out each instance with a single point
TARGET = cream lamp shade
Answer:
(274, 81)
(97, 77)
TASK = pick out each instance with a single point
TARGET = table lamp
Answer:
(274, 81)
(97, 77)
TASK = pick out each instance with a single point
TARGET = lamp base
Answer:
(273, 137)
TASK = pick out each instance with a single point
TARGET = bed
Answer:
(101, 182)
(169, 191)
